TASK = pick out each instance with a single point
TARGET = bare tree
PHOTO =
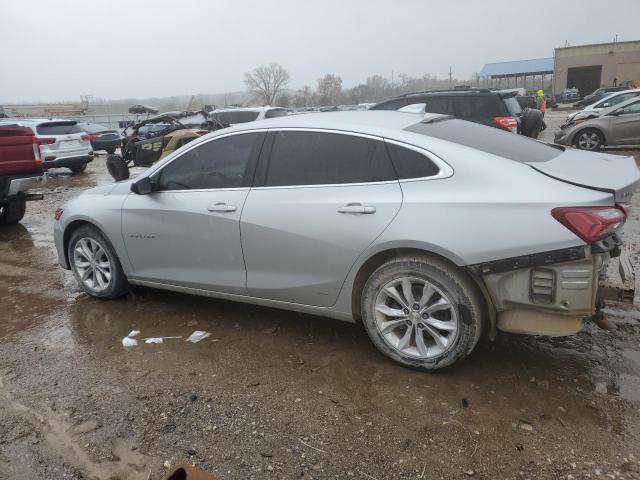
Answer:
(267, 81)
(330, 89)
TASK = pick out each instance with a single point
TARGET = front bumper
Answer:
(551, 295)
(58, 241)
(562, 137)
(68, 161)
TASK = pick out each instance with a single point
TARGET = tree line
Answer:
(269, 86)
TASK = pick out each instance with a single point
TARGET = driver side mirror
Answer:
(142, 186)
(617, 112)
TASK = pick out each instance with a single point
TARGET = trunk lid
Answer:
(615, 174)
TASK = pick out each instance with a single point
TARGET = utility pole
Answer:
(450, 77)
(615, 40)
(391, 78)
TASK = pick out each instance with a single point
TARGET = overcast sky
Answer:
(57, 50)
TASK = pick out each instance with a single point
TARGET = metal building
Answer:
(588, 67)
(527, 74)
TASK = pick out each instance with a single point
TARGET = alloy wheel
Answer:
(589, 140)
(92, 264)
(415, 317)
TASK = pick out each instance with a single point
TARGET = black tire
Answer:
(466, 309)
(590, 139)
(117, 284)
(78, 168)
(110, 151)
(12, 211)
(117, 167)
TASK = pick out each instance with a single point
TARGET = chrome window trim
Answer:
(445, 170)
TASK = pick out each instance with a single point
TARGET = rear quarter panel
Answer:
(490, 209)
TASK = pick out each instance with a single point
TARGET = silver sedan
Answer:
(427, 229)
(615, 126)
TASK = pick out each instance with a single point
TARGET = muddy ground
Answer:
(275, 394)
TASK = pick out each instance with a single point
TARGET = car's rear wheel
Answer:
(422, 312)
(95, 264)
(589, 139)
(12, 211)
(78, 168)
(117, 167)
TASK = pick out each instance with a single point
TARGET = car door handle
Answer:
(222, 207)
(357, 208)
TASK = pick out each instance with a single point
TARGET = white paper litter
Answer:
(153, 340)
(198, 335)
(133, 333)
(129, 342)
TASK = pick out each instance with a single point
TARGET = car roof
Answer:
(373, 122)
(246, 109)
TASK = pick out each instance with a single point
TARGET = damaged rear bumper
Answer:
(545, 294)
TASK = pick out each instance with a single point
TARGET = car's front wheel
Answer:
(95, 264)
(589, 139)
(422, 312)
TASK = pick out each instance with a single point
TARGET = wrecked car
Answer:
(428, 229)
(151, 139)
(618, 125)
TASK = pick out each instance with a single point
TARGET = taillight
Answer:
(92, 137)
(84, 136)
(591, 224)
(508, 123)
(36, 150)
(58, 214)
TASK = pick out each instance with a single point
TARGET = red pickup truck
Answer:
(20, 170)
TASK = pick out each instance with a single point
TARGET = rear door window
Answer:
(58, 128)
(318, 158)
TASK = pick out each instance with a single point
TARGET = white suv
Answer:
(232, 116)
(62, 142)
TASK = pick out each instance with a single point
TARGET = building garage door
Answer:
(585, 79)
(629, 72)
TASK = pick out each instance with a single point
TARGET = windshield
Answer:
(488, 139)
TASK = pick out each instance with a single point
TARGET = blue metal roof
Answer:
(518, 67)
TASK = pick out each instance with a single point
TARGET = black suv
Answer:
(488, 107)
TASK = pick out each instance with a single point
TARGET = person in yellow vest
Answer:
(541, 102)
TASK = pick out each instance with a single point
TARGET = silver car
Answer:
(428, 229)
(614, 126)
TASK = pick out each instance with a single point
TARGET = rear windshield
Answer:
(488, 139)
(92, 127)
(233, 117)
(276, 112)
(58, 128)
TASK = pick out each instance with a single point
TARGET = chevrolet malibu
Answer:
(429, 230)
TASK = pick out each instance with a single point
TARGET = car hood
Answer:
(615, 174)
